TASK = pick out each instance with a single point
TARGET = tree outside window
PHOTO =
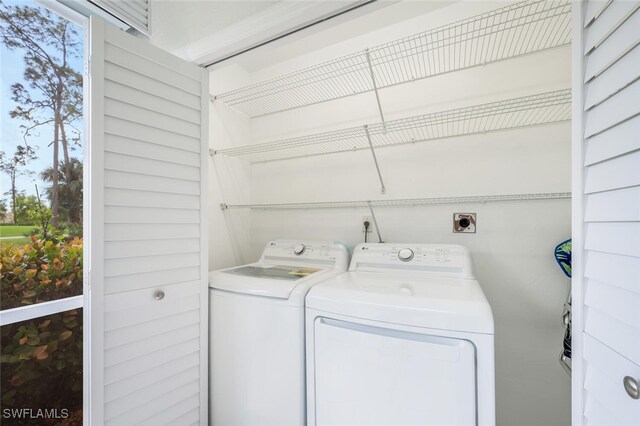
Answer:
(41, 241)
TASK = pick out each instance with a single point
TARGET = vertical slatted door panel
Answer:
(611, 211)
(152, 141)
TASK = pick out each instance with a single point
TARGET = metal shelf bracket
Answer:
(375, 86)
(375, 159)
(375, 222)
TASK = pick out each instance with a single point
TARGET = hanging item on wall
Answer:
(563, 257)
(562, 254)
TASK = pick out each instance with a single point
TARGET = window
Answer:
(41, 215)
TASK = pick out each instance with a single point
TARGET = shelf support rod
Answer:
(375, 86)
(375, 222)
(375, 159)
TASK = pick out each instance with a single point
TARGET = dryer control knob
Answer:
(299, 249)
(405, 254)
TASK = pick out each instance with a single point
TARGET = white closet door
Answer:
(147, 330)
(606, 339)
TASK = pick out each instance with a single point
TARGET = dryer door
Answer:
(368, 375)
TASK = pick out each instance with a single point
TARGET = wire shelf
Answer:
(406, 202)
(542, 108)
(510, 31)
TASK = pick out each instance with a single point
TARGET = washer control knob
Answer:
(299, 249)
(405, 254)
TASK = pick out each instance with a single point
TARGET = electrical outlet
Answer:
(464, 223)
(366, 219)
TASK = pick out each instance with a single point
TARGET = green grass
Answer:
(15, 230)
(18, 242)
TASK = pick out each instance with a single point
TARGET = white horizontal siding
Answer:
(594, 9)
(621, 305)
(153, 70)
(614, 110)
(621, 271)
(146, 231)
(613, 79)
(614, 237)
(132, 198)
(606, 23)
(147, 345)
(619, 336)
(620, 172)
(133, 96)
(607, 402)
(126, 180)
(621, 139)
(610, 303)
(141, 149)
(162, 400)
(131, 78)
(136, 382)
(154, 160)
(596, 412)
(138, 265)
(119, 109)
(172, 353)
(124, 283)
(125, 128)
(614, 47)
(134, 333)
(180, 413)
(121, 406)
(597, 208)
(119, 214)
(164, 168)
(150, 312)
(124, 249)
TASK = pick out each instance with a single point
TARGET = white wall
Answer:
(513, 248)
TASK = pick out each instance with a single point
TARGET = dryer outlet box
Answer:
(464, 223)
(366, 219)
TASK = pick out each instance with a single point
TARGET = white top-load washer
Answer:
(257, 364)
(405, 337)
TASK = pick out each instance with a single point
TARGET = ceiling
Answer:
(204, 31)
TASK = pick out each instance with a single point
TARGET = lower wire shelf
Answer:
(404, 202)
(525, 111)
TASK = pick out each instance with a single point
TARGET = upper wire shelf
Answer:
(542, 108)
(510, 31)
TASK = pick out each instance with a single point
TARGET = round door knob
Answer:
(158, 295)
(405, 254)
(632, 387)
(299, 249)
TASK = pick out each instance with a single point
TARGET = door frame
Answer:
(577, 210)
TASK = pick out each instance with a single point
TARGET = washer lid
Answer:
(284, 265)
(406, 298)
(262, 279)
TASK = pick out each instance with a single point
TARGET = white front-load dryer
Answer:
(256, 347)
(405, 337)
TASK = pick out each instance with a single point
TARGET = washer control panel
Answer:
(311, 252)
(438, 259)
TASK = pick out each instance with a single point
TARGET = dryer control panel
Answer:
(437, 259)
